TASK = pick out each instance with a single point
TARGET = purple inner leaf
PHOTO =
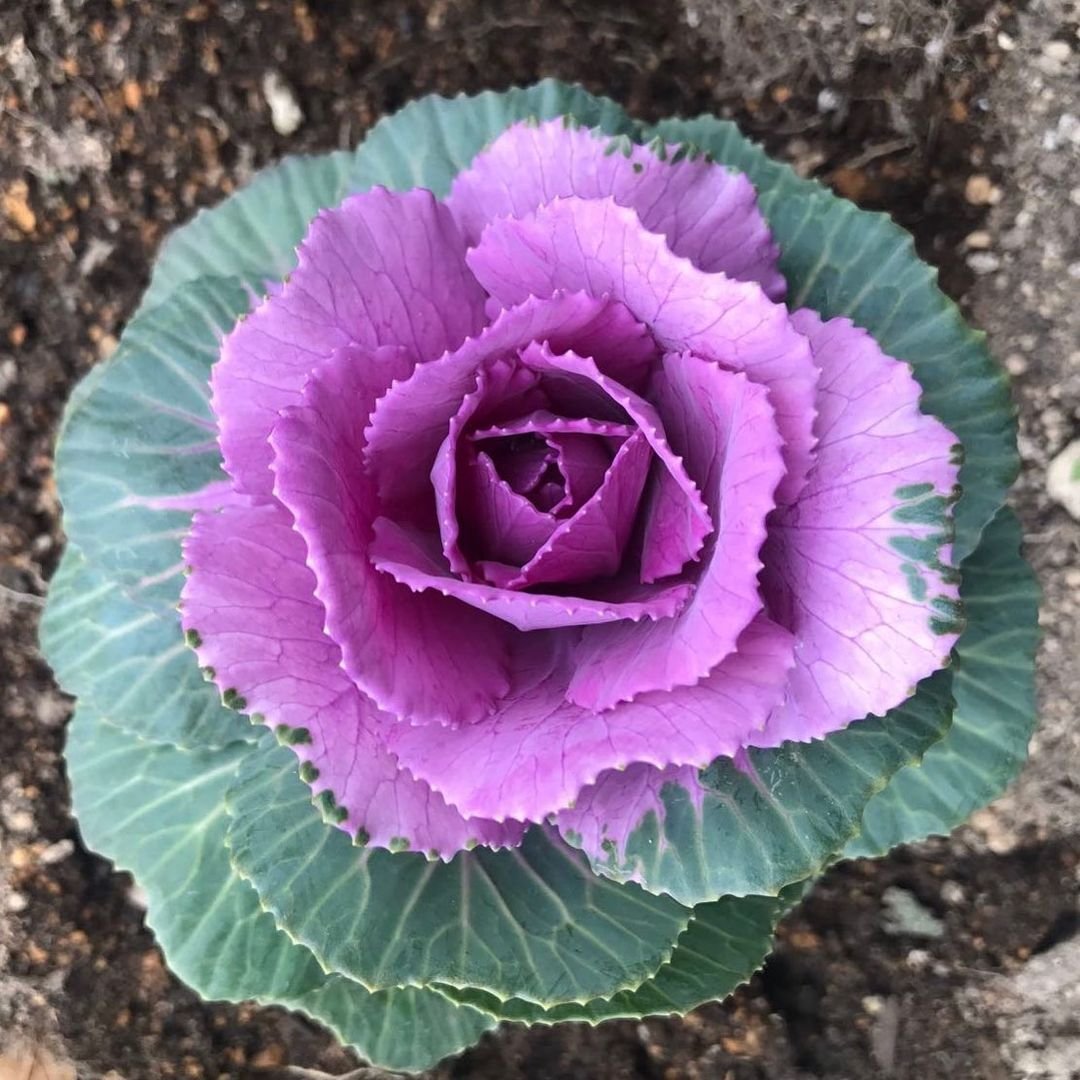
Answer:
(591, 544)
(502, 523)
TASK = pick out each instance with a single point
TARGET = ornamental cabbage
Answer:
(605, 522)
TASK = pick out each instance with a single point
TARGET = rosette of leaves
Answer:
(410, 906)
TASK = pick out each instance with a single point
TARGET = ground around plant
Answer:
(119, 117)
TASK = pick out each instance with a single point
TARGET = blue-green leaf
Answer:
(840, 260)
(778, 817)
(159, 812)
(138, 443)
(531, 922)
(120, 650)
(994, 687)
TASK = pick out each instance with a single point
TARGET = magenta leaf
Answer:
(415, 559)
(381, 270)
(538, 751)
(722, 426)
(601, 248)
(420, 657)
(592, 543)
(508, 527)
(860, 568)
(412, 420)
(706, 213)
(250, 605)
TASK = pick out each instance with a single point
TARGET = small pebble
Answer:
(285, 112)
(1060, 51)
(57, 852)
(984, 262)
(979, 240)
(980, 191)
(16, 902)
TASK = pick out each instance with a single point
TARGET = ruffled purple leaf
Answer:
(508, 527)
(534, 756)
(601, 248)
(721, 424)
(414, 558)
(592, 543)
(249, 604)
(382, 269)
(706, 213)
(859, 569)
(420, 657)
(678, 520)
(412, 420)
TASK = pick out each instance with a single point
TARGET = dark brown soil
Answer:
(117, 119)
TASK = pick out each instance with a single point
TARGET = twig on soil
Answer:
(872, 153)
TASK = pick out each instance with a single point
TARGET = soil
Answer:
(118, 119)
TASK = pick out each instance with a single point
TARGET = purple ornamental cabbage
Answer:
(541, 497)
(615, 536)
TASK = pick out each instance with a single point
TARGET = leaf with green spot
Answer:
(531, 922)
(755, 826)
(840, 260)
(994, 687)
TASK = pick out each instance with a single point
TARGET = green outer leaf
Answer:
(142, 429)
(121, 651)
(725, 942)
(784, 814)
(159, 812)
(841, 260)
(531, 922)
(994, 687)
(432, 139)
(252, 235)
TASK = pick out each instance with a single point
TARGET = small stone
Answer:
(984, 262)
(57, 852)
(16, 207)
(1016, 364)
(904, 914)
(132, 93)
(980, 190)
(872, 1005)
(952, 892)
(1060, 51)
(270, 1057)
(1063, 479)
(998, 838)
(16, 902)
(21, 821)
(979, 240)
(828, 100)
(285, 112)
(20, 858)
(1005, 43)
